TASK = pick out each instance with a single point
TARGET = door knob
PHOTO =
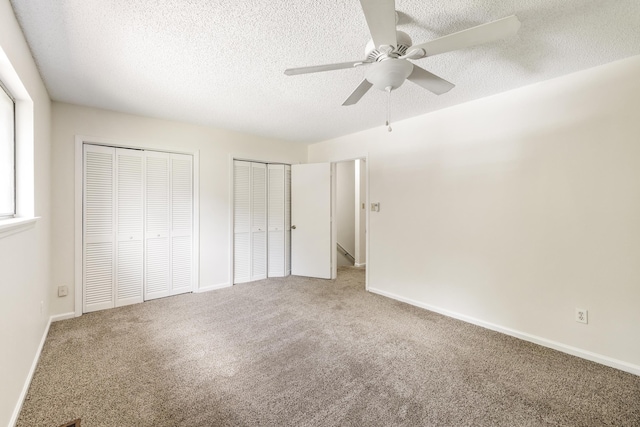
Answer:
(293, 227)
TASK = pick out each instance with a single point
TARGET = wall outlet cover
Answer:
(582, 315)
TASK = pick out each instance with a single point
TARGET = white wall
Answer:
(345, 204)
(215, 147)
(24, 256)
(513, 210)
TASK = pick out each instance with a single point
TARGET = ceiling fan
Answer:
(389, 51)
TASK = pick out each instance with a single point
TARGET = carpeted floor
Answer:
(306, 352)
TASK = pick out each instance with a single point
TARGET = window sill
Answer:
(16, 225)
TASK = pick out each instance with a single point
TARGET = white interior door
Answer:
(158, 252)
(130, 226)
(311, 249)
(276, 242)
(181, 223)
(241, 221)
(98, 242)
(258, 221)
(287, 220)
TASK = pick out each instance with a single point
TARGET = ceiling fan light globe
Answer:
(389, 73)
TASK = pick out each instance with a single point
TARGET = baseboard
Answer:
(212, 288)
(27, 382)
(574, 351)
(63, 316)
(364, 264)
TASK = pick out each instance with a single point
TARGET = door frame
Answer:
(80, 140)
(244, 158)
(334, 229)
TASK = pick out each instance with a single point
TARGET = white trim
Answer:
(231, 221)
(15, 225)
(212, 288)
(24, 139)
(78, 227)
(364, 264)
(63, 316)
(80, 140)
(333, 240)
(574, 351)
(27, 382)
(195, 232)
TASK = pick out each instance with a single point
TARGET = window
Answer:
(7, 154)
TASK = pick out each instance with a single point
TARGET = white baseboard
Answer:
(364, 264)
(27, 382)
(574, 351)
(212, 288)
(63, 316)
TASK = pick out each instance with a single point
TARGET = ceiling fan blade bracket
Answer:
(414, 54)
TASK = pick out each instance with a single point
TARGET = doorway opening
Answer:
(350, 201)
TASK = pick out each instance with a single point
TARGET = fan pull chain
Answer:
(388, 123)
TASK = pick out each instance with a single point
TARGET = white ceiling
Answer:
(220, 62)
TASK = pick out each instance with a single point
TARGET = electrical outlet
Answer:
(582, 315)
(63, 291)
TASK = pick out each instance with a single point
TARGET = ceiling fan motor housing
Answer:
(373, 53)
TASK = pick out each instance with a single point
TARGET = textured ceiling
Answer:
(220, 62)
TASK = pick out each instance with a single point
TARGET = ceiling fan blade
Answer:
(429, 81)
(355, 96)
(327, 67)
(381, 19)
(484, 33)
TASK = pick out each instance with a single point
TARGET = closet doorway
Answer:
(136, 225)
(261, 220)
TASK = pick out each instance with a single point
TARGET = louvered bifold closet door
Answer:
(258, 221)
(287, 220)
(157, 211)
(276, 221)
(129, 226)
(98, 240)
(241, 221)
(181, 223)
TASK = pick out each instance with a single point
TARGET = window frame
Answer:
(11, 215)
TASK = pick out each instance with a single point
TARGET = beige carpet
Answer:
(305, 352)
